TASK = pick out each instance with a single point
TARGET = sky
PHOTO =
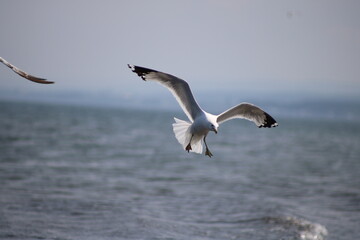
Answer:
(238, 49)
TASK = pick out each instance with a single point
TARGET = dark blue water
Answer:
(91, 173)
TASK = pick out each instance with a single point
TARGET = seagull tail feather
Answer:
(182, 133)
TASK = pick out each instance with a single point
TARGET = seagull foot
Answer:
(208, 153)
(188, 148)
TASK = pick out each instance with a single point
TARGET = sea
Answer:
(89, 173)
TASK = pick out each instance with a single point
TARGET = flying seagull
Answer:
(24, 74)
(191, 134)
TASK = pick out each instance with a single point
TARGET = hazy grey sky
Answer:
(304, 46)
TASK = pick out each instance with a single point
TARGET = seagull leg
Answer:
(207, 152)
(188, 147)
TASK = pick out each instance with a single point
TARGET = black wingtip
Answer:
(38, 80)
(141, 71)
(268, 122)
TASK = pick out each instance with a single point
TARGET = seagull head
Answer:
(214, 127)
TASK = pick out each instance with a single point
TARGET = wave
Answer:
(295, 228)
(304, 229)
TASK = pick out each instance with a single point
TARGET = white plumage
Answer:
(182, 130)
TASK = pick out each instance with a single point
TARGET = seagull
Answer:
(191, 134)
(24, 74)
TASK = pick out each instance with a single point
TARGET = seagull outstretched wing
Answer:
(24, 74)
(249, 112)
(178, 87)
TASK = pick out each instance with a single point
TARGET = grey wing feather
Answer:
(249, 112)
(178, 87)
(24, 74)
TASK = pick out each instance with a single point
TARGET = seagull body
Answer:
(24, 74)
(191, 134)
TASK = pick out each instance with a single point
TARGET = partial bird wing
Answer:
(249, 112)
(178, 87)
(24, 74)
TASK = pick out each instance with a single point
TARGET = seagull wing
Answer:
(24, 74)
(249, 112)
(178, 87)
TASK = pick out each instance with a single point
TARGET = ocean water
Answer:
(92, 173)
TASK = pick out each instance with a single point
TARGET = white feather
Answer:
(196, 144)
(182, 130)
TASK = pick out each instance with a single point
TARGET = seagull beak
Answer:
(215, 131)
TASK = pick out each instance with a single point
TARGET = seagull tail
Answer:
(182, 133)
